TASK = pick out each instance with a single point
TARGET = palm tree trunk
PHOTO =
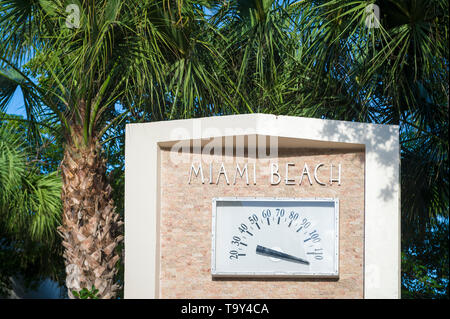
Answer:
(90, 226)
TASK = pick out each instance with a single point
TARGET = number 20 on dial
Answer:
(274, 237)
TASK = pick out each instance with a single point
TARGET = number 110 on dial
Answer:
(271, 237)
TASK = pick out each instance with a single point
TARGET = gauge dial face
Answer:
(275, 237)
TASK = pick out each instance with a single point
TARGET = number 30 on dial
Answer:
(275, 237)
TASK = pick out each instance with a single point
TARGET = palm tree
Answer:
(83, 78)
(90, 68)
(258, 41)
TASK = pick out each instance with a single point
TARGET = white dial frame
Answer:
(215, 272)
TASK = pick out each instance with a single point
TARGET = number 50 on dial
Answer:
(275, 237)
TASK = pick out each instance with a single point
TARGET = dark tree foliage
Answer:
(30, 207)
(425, 263)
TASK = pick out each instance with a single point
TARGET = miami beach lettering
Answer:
(277, 175)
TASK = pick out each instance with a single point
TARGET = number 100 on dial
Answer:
(275, 237)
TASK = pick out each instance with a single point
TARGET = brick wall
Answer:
(185, 231)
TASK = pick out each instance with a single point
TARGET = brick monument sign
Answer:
(262, 206)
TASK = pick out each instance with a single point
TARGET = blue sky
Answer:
(16, 104)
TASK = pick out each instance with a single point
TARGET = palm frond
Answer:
(30, 202)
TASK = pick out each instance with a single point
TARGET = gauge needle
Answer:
(277, 254)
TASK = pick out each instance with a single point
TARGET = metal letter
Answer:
(210, 172)
(305, 171)
(222, 171)
(241, 173)
(199, 169)
(272, 166)
(339, 175)
(315, 174)
(287, 180)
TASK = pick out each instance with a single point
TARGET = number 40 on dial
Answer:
(271, 237)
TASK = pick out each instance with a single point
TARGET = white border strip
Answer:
(215, 274)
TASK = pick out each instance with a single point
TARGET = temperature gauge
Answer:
(275, 237)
